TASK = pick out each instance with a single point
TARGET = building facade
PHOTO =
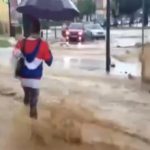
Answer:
(101, 6)
(4, 17)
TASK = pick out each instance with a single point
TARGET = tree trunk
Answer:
(115, 21)
(121, 21)
(87, 17)
(131, 20)
(90, 17)
(145, 16)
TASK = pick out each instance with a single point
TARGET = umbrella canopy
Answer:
(49, 9)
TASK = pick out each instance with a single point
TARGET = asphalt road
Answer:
(118, 37)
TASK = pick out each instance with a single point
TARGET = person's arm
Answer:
(48, 57)
(16, 53)
(17, 49)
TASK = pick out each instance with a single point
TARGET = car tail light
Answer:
(67, 32)
(80, 33)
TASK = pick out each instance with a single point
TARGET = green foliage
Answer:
(90, 7)
(114, 7)
(81, 7)
(86, 7)
(5, 1)
(129, 7)
(4, 43)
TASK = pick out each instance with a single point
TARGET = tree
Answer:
(90, 7)
(81, 7)
(114, 7)
(86, 7)
(114, 11)
(129, 7)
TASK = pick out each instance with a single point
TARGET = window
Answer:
(76, 26)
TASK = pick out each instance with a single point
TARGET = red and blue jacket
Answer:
(35, 52)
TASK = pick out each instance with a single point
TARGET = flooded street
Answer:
(83, 115)
(80, 107)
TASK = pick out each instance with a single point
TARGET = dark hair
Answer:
(35, 26)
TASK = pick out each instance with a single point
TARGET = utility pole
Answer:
(143, 21)
(95, 7)
(108, 59)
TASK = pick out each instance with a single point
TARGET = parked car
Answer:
(77, 31)
(97, 31)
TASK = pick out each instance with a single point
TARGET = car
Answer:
(97, 31)
(77, 31)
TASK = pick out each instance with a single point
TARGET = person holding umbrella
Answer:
(30, 53)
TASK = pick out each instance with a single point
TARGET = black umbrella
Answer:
(49, 9)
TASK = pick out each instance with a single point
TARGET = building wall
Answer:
(104, 4)
(101, 7)
(4, 18)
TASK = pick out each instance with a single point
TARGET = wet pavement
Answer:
(95, 62)
(85, 64)
(119, 37)
(98, 66)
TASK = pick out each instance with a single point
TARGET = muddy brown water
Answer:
(66, 123)
(66, 126)
(61, 131)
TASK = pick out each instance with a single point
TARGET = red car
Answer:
(75, 31)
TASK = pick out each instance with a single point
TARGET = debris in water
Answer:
(130, 76)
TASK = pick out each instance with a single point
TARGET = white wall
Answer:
(104, 3)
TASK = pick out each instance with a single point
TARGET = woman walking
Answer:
(33, 50)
